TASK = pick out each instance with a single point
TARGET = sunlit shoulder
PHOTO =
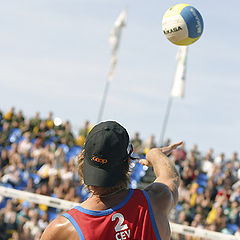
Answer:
(60, 229)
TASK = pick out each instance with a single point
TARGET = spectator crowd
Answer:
(39, 156)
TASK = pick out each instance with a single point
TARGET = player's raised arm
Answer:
(165, 187)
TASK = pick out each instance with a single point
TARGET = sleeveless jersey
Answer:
(132, 219)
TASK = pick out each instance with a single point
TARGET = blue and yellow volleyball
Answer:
(182, 24)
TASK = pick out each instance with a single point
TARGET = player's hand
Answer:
(168, 150)
(155, 152)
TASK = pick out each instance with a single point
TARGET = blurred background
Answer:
(55, 58)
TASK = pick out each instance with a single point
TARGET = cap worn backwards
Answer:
(106, 153)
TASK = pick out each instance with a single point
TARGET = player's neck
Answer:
(106, 194)
(104, 201)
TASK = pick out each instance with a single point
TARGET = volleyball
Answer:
(182, 24)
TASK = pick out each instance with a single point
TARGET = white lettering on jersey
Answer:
(121, 234)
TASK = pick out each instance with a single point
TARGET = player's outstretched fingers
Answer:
(145, 162)
(175, 145)
(168, 150)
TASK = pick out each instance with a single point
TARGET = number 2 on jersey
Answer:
(119, 227)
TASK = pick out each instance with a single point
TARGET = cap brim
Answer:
(94, 176)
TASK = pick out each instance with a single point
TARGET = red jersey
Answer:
(132, 219)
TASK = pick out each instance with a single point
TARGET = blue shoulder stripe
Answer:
(154, 225)
(74, 223)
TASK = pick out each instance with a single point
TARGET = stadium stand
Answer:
(39, 156)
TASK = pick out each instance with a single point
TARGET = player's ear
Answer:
(130, 149)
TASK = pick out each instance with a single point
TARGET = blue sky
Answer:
(55, 57)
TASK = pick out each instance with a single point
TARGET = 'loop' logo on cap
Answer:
(99, 160)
